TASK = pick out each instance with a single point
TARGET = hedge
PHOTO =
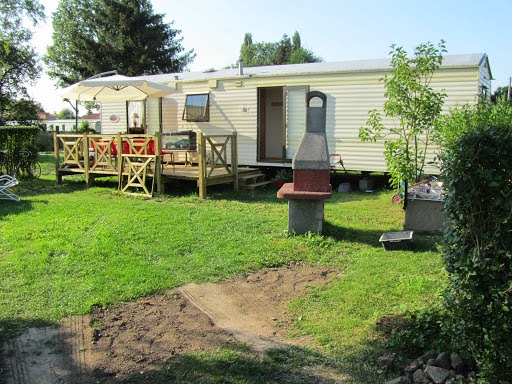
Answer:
(478, 246)
(14, 139)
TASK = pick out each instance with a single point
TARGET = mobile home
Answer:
(265, 106)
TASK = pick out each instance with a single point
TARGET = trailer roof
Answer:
(465, 60)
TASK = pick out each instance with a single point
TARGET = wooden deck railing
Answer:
(136, 158)
(214, 155)
(72, 149)
(103, 156)
(139, 160)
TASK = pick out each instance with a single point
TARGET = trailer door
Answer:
(294, 118)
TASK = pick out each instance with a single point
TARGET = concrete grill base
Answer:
(305, 216)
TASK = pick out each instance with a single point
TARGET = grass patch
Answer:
(66, 249)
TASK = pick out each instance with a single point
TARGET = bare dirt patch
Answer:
(142, 336)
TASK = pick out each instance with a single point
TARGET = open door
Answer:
(271, 135)
(294, 117)
(281, 122)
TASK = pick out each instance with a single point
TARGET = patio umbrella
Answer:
(115, 88)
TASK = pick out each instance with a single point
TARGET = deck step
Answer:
(258, 184)
(250, 176)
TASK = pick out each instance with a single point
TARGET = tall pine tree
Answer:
(94, 36)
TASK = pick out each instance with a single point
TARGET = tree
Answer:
(66, 113)
(23, 111)
(501, 92)
(13, 11)
(85, 127)
(285, 51)
(296, 45)
(415, 108)
(247, 39)
(85, 43)
(18, 60)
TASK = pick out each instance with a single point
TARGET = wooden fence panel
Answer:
(104, 153)
(139, 162)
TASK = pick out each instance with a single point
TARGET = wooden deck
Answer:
(137, 166)
(191, 172)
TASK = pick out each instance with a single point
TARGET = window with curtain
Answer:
(136, 114)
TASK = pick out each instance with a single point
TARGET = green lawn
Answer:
(66, 248)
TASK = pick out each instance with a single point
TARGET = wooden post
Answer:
(127, 118)
(160, 114)
(119, 161)
(158, 169)
(202, 165)
(88, 178)
(56, 155)
(234, 160)
(119, 150)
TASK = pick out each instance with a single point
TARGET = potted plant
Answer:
(283, 175)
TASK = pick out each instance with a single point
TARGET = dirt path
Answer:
(142, 336)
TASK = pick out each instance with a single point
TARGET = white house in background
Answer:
(53, 123)
(266, 105)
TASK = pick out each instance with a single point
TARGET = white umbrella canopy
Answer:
(115, 88)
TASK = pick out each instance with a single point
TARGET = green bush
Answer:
(477, 171)
(85, 127)
(284, 174)
(14, 139)
(44, 141)
(413, 333)
(466, 118)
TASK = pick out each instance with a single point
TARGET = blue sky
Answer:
(334, 30)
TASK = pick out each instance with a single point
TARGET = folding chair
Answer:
(7, 181)
(334, 160)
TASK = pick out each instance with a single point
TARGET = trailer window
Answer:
(197, 108)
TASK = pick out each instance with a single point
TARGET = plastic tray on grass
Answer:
(393, 241)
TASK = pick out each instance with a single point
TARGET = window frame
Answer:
(205, 116)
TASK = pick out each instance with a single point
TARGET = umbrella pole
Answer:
(127, 119)
(145, 113)
(160, 117)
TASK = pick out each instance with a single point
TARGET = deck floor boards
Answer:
(179, 171)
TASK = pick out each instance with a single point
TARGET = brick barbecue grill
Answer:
(311, 177)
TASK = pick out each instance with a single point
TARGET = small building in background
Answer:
(53, 123)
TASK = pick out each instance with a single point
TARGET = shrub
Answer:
(85, 127)
(477, 171)
(14, 139)
(44, 141)
(466, 118)
(413, 333)
(284, 174)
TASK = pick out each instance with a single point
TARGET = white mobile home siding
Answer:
(111, 126)
(350, 95)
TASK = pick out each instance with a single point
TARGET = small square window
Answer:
(197, 108)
